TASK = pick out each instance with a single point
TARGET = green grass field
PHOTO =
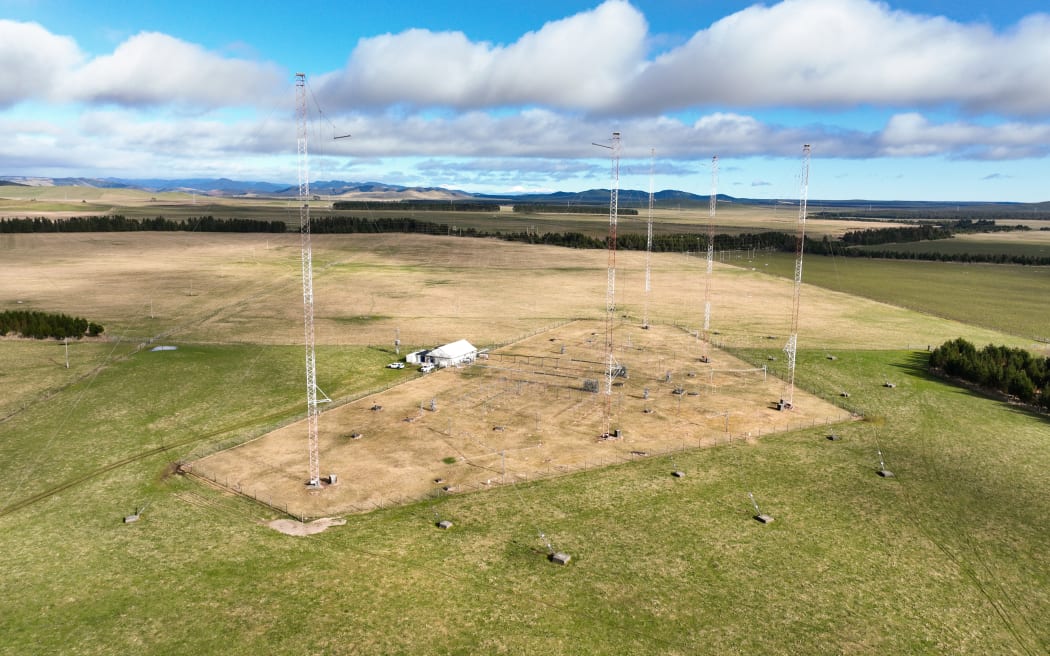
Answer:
(1000, 297)
(950, 556)
(730, 218)
(1036, 244)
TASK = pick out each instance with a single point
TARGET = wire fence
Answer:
(533, 333)
(211, 448)
(279, 504)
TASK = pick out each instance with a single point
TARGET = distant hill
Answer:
(628, 198)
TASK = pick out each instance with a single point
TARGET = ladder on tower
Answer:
(314, 467)
(791, 348)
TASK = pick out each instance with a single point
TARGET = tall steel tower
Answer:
(800, 242)
(611, 368)
(649, 241)
(314, 474)
(705, 356)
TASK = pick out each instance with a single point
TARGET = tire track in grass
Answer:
(110, 360)
(334, 545)
(1011, 601)
(142, 455)
(966, 570)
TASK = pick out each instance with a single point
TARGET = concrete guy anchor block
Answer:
(560, 558)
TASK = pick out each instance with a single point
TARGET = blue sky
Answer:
(912, 99)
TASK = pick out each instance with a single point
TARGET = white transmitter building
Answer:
(449, 355)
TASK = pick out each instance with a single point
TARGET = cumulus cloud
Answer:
(156, 69)
(123, 143)
(527, 147)
(529, 110)
(541, 133)
(577, 62)
(800, 53)
(814, 54)
(149, 69)
(545, 137)
(821, 53)
(913, 135)
(32, 60)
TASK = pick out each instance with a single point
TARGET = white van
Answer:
(427, 368)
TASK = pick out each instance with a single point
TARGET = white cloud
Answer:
(815, 54)
(123, 143)
(581, 61)
(912, 135)
(156, 69)
(800, 53)
(526, 112)
(31, 59)
(842, 53)
(531, 144)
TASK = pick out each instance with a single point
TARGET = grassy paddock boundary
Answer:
(194, 470)
(260, 431)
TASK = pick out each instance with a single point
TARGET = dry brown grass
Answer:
(218, 288)
(516, 415)
(64, 202)
(1015, 237)
(246, 289)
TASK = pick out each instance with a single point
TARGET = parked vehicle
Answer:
(396, 365)
(427, 368)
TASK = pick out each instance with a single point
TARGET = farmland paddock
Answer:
(522, 413)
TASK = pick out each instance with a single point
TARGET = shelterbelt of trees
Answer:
(572, 209)
(675, 243)
(42, 325)
(120, 223)
(1003, 369)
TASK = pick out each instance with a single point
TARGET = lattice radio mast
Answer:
(314, 479)
(800, 241)
(713, 203)
(611, 368)
(649, 242)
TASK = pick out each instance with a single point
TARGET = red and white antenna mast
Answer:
(649, 242)
(314, 474)
(713, 203)
(800, 241)
(611, 368)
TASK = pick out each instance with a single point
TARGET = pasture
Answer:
(1033, 244)
(950, 556)
(1000, 297)
(519, 414)
(59, 202)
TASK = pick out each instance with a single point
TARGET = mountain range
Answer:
(225, 187)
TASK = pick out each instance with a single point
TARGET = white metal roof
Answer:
(454, 350)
